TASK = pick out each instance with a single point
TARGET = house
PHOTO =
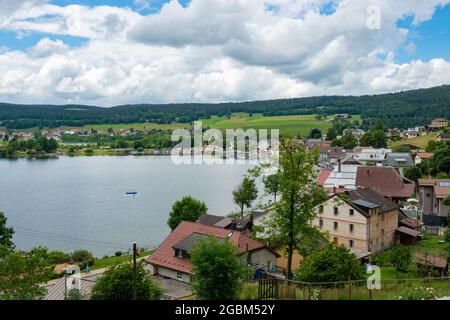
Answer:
(432, 193)
(443, 136)
(393, 134)
(357, 133)
(372, 155)
(342, 116)
(398, 160)
(171, 259)
(315, 143)
(331, 154)
(408, 236)
(362, 220)
(422, 156)
(439, 123)
(343, 176)
(386, 181)
(437, 263)
(59, 289)
(243, 225)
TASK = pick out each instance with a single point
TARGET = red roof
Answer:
(425, 155)
(323, 177)
(384, 180)
(165, 255)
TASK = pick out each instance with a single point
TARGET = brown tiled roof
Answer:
(441, 192)
(165, 255)
(384, 180)
(409, 231)
(357, 199)
(435, 261)
(425, 155)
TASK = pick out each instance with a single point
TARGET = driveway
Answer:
(174, 289)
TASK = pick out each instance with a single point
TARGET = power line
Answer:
(24, 232)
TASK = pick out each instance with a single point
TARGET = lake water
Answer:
(72, 203)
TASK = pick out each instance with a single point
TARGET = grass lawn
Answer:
(420, 142)
(110, 261)
(288, 125)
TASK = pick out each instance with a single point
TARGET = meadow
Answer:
(297, 125)
(288, 125)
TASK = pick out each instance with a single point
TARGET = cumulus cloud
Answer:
(214, 50)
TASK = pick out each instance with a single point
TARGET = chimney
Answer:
(339, 165)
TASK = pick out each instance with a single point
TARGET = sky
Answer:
(164, 51)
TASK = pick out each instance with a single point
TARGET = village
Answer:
(374, 204)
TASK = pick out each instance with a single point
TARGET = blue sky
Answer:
(431, 38)
(109, 52)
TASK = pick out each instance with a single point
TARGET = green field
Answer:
(420, 142)
(288, 125)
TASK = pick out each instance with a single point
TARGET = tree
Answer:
(6, 234)
(117, 284)
(186, 209)
(378, 125)
(245, 194)
(217, 269)
(348, 140)
(22, 275)
(330, 264)
(413, 173)
(444, 165)
(401, 258)
(315, 134)
(272, 186)
(376, 139)
(84, 257)
(290, 224)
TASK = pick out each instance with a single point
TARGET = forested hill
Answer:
(402, 109)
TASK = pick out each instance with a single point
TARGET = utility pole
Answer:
(134, 271)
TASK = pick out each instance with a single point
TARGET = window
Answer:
(180, 254)
(336, 211)
(428, 195)
(336, 225)
(351, 212)
(320, 223)
(382, 232)
(351, 228)
(350, 243)
(320, 209)
(335, 241)
(179, 275)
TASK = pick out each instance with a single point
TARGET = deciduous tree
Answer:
(186, 209)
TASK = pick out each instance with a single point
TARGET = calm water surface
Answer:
(71, 203)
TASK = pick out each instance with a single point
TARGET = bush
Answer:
(117, 284)
(118, 254)
(83, 257)
(330, 264)
(447, 235)
(417, 293)
(401, 258)
(57, 257)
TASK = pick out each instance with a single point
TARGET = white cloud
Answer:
(213, 50)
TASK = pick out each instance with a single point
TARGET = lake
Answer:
(81, 202)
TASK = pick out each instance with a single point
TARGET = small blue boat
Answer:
(131, 193)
